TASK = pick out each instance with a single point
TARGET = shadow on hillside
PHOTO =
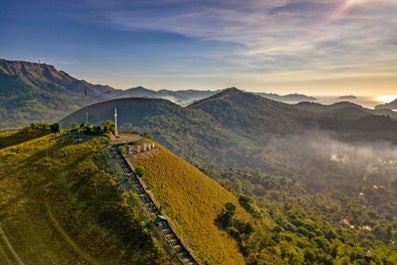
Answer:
(49, 157)
(18, 138)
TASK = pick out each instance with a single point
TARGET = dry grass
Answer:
(193, 201)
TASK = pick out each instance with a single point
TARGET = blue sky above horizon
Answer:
(315, 47)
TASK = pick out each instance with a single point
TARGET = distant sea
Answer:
(366, 102)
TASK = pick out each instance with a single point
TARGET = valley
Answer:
(297, 165)
(234, 178)
(181, 132)
(291, 219)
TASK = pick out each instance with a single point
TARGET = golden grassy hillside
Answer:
(193, 201)
(58, 207)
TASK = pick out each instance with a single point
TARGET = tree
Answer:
(56, 127)
(39, 126)
(140, 171)
(74, 126)
(97, 130)
(108, 126)
(230, 208)
(226, 217)
(83, 124)
(122, 149)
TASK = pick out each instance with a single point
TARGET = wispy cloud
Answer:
(339, 32)
(249, 40)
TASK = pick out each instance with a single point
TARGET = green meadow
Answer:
(58, 206)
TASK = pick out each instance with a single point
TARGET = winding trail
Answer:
(9, 246)
(67, 239)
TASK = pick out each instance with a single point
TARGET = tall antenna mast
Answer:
(116, 132)
(86, 110)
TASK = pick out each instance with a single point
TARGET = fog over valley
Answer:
(375, 162)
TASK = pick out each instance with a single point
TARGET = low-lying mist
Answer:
(374, 161)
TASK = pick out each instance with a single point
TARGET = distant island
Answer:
(289, 97)
(347, 97)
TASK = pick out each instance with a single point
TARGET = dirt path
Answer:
(67, 239)
(10, 248)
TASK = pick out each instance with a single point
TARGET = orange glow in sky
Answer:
(386, 98)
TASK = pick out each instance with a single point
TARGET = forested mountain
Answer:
(181, 97)
(252, 114)
(345, 110)
(31, 92)
(287, 98)
(38, 92)
(232, 128)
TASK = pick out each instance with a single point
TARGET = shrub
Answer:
(56, 127)
(140, 171)
(108, 126)
(122, 149)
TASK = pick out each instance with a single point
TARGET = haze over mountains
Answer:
(39, 92)
(233, 120)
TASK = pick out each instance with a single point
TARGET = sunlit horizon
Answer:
(335, 47)
(386, 98)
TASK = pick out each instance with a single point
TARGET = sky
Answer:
(315, 47)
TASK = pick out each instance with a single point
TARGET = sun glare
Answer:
(386, 98)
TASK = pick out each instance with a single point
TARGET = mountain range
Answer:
(32, 92)
(38, 92)
(229, 129)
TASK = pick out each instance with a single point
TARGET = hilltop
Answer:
(252, 114)
(169, 123)
(59, 205)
